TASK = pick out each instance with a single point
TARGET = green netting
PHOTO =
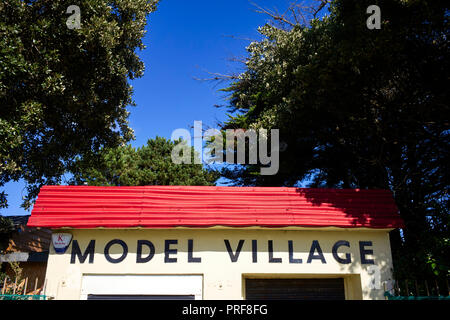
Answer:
(391, 297)
(22, 297)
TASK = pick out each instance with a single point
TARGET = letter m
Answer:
(240, 136)
(76, 252)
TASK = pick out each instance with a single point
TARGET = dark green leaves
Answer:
(149, 165)
(64, 92)
(358, 108)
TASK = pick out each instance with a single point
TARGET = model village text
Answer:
(145, 251)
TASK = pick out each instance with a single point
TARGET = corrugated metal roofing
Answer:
(195, 206)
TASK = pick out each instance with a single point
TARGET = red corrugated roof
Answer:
(192, 206)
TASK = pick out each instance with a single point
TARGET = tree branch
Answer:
(273, 15)
(321, 6)
(218, 76)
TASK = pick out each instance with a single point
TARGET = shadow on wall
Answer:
(362, 206)
(375, 278)
(286, 245)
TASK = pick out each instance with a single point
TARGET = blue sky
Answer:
(184, 40)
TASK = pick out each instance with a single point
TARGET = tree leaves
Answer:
(64, 92)
(149, 165)
(358, 108)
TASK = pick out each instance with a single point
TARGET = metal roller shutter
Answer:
(141, 287)
(295, 289)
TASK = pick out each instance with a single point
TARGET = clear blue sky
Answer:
(184, 39)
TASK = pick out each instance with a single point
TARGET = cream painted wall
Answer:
(223, 279)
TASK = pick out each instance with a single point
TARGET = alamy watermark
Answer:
(374, 20)
(74, 20)
(375, 277)
(214, 150)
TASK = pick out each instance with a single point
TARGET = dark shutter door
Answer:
(295, 289)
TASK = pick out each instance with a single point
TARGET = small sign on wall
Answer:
(61, 241)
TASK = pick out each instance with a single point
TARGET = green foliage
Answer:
(63, 92)
(6, 225)
(17, 269)
(6, 228)
(17, 278)
(149, 165)
(359, 108)
(3, 276)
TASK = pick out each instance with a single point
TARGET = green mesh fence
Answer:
(391, 297)
(22, 297)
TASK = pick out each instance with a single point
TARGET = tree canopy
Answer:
(64, 92)
(359, 108)
(148, 165)
(6, 228)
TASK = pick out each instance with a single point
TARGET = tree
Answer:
(6, 229)
(64, 92)
(149, 165)
(359, 108)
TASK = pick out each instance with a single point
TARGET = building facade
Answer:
(219, 243)
(28, 248)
